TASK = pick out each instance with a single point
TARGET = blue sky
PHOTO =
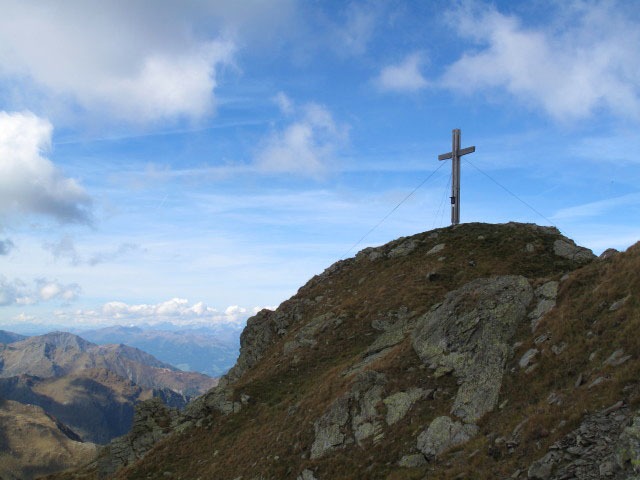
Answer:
(194, 161)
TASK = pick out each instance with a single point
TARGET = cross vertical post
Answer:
(455, 154)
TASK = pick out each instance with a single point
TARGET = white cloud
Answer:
(304, 147)
(29, 182)
(139, 61)
(285, 104)
(403, 77)
(585, 60)
(17, 292)
(177, 311)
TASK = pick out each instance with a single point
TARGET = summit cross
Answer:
(455, 154)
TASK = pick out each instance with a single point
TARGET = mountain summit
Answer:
(471, 352)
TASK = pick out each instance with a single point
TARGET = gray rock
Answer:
(618, 304)
(528, 356)
(627, 450)
(546, 295)
(540, 471)
(608, 253)
(306, 475)
(359, 408)
(558, 348)
(152, 421)
(410, 461)
(403, 249)
(617, 358)
(436, 249)
(471, 333)
(566, 248)
(442, 434)
(328, 428)
(399, 404)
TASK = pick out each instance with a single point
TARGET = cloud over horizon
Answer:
(17, 292)
(177, 311)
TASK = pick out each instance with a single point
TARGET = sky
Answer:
(192, 162)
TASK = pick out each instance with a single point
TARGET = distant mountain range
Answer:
(206, 351)
(58, 389)
(60, 353)
(10, 337)
(96, 403)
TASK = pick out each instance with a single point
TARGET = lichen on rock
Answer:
(470, 333)
(442, 434)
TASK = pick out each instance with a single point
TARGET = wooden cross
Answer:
(455, 155)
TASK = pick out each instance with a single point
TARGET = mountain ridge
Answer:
(474, 351)
(60, 353)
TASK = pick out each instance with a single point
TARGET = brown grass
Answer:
(268, 438)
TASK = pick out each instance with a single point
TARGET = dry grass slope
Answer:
(271, 436)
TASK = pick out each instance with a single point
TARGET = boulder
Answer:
(470, 333)
(442, 434)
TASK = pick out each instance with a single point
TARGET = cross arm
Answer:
(464, 151)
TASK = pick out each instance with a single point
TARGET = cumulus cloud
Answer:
(65, 249)
(586, 60)
(29, 182)
(139, 61)
(404, 76)
(6, 246)
(177, 311)
(306, 145)
(17, 292)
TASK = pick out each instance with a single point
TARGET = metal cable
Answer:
(510, 192)
(392, 210)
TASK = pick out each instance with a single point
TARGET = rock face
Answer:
(442, 434)
(152, 421)
(566, 248)
(359, 408)
(605, 445)
(470, 334)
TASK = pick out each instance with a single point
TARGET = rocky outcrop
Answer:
(469, 334)
(152, 421)
(352, 417)
(567, 248)
(546, 295)
(442, 434)
(605, 445)
(399, 404)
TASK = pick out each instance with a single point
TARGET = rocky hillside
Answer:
(60, 353)
(96, 404)
(33, 443)
(471, 352)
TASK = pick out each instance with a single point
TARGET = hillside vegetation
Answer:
(477, 351)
